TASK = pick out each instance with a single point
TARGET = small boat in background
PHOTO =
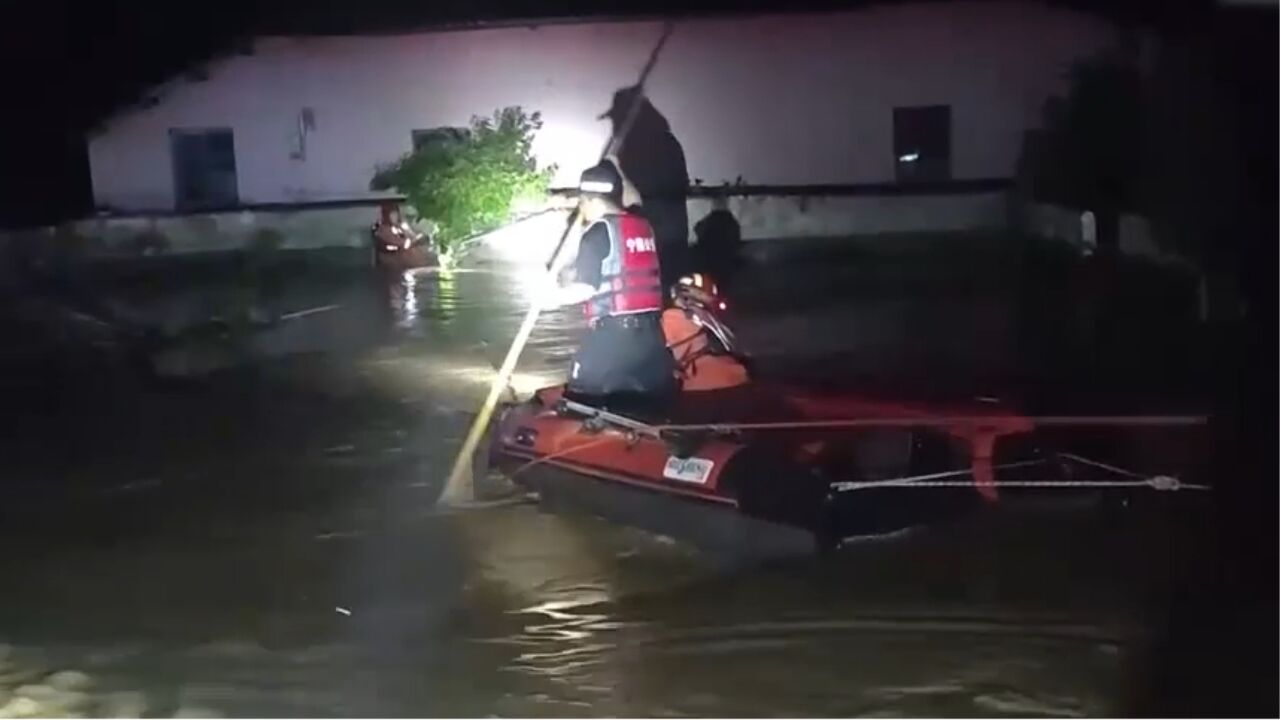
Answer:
(397, 246)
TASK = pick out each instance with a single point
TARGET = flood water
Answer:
(262, 539)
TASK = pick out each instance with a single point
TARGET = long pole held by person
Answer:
(459, 489)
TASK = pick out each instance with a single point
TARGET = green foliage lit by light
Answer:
(469, 183)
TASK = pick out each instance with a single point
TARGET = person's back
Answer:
(699, 369)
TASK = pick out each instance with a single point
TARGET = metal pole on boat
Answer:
(459, 489)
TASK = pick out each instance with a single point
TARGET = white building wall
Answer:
(780, 100)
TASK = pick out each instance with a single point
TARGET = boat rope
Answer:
(881, 422)
(633, 428)
(935, 480)
(1100, 465)
(562, 454)
(1166, 483)
(946, 421)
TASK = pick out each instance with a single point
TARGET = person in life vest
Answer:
(704, 350)
(623, 360)
(393, 232)
(396, 244)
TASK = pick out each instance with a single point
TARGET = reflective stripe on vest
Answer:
(630, 281)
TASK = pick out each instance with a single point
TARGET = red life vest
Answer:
(630, 281)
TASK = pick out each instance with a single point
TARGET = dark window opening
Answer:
(204, 169)
(425, 138)
(922, 143)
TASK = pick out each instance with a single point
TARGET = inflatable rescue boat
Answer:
(736, 463)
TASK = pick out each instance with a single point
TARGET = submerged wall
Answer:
(772, 217)
(1135, 237)
(342, 227)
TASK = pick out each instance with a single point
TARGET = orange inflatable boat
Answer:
(736, 463)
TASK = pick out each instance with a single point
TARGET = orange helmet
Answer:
(700, 288)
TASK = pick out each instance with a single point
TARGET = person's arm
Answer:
(571, 294)
(579, 281)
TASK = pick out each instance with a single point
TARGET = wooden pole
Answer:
(459, 489)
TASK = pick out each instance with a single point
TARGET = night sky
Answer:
(66, 66)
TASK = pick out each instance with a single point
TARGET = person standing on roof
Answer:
(623, 361)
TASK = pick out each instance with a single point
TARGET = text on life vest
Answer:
(641, 244)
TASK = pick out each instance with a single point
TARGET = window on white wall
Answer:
(204, 168)
(922, 143)
(425, 137)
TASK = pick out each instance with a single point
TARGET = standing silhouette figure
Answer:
(653, 161)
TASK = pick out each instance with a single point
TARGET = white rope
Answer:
(1100, 465)
(945, 421)
(938, 480)
(1158, 482)
(921, 480)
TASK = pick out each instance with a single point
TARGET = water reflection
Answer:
(581, 617)
(405, 296)
(446, 296)
(424, 302)
(545, 593)
(573, 616)
(573, 637)
(312, 489)
(408, 315)
(450, 331)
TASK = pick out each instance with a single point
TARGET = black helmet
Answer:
(602, 180)
(623, 100)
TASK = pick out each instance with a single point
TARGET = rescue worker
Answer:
(392, 231)
(653, 159)
(397, 245)
(623, 361)
(703, 361)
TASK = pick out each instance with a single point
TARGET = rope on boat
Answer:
(561, 454)
(946, 421)
(878, 422)
(1155, 482)
(1101, 465)
(1165, 483)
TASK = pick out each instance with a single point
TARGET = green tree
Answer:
(469, 184)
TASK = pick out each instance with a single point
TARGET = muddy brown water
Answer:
(263, 540)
